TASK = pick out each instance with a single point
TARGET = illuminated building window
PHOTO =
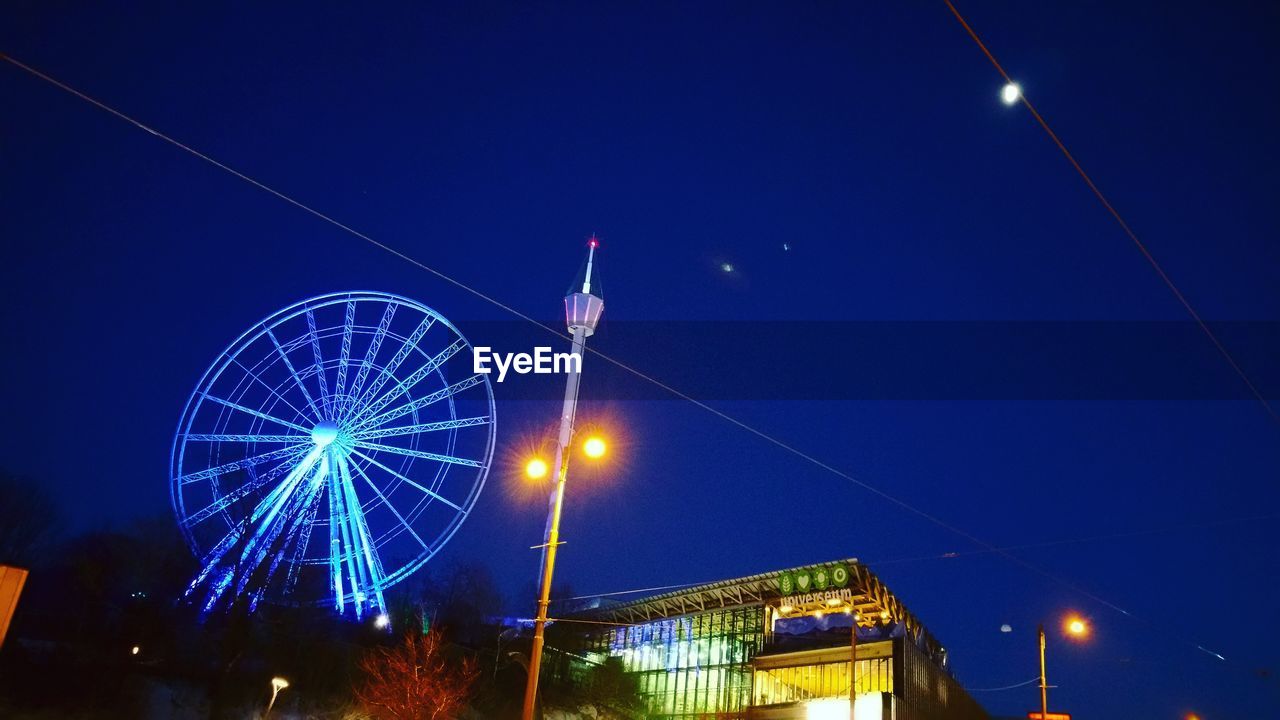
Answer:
(801, 683)
(690, 665)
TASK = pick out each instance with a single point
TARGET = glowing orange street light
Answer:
(536, 469)
(1076, 627)
(594, 447)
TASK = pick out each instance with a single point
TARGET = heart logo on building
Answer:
(802, 581)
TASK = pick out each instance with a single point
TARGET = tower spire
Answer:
(593, 242)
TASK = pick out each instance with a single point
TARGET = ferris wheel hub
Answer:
(325, 432)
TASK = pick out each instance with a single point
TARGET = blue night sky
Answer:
(488, 141)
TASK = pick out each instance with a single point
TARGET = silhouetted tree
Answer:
(414, 680)
(610, 685)
(27, 516)
(463, 599)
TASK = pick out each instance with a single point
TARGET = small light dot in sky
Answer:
(726, 267)
(1010, 93)
(1006, 628)
(786, 246)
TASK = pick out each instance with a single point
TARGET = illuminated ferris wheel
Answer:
(330, 452)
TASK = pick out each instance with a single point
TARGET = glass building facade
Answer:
(777, 646)
(688, 666)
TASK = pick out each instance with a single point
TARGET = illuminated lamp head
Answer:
(536, 469)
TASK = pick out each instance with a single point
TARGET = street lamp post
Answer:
(277, 684)
(1074, 626)
(582, 313)
(1044, 685)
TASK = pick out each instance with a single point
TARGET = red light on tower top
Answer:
(593, 242)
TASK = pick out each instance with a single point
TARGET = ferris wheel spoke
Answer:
(422, 427)
(258, 379)
(389, 370)
(420, 403)
(315, 351)
(204, 437)
(418, 454)
(297, 379)
(374, 345)
(244, 490)
(418, 375)
(424, 489)
(255, 413)
(235, 465)
(344, 357)
(369, 481)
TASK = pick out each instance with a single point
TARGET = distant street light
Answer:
(1075, 626)
(382, 622)
(277, 684)
(1011, 93)
(135, 650)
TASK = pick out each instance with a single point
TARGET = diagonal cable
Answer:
(1142, 248)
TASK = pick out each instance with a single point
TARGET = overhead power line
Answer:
(1142, 248)
(953, 555)
(1006, 687)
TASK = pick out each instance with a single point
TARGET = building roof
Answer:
(869, 597)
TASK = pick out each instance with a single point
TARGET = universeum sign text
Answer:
(542, 361)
